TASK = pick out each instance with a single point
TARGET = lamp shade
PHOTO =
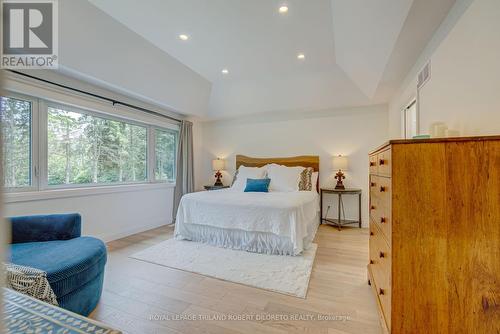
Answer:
(218, 164)
(340, 162)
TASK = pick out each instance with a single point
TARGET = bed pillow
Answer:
(314, 181)
(245, 173)
(305, 181)
(257, 185)
(284, 178)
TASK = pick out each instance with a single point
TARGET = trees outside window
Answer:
(165, 149)
(82, 148)
(16, 117)
(87, 149)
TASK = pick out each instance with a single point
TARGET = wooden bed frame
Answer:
(302, 160)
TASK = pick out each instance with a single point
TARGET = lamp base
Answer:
(339, 176)
(218, 182)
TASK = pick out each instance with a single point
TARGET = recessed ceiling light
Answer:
(283, 9)
(301, 56)
(183, 37)
(225, 71)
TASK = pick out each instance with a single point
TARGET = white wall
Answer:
(107, 216)
(464, 87)
(352, 132)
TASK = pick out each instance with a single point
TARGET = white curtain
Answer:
(185, 174)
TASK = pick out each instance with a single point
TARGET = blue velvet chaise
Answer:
(74, 264)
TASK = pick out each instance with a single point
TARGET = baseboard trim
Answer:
(132, 231)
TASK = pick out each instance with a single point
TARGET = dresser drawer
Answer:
(373, 208)
(373, 164)
(384, 163)
(374, 184)
(380, 265)
(382, 219)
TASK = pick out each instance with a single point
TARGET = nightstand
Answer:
(339, 222)
(215, 187)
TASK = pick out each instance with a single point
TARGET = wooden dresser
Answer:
(435, 235)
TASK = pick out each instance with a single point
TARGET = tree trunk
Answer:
(132, 153)
(67, 151)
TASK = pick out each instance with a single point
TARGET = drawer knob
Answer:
(382, 189)
(372, 184)
(371, 262)
(382, 220)
(381, 255)
(381, 292)
(372, 207)
(381, 162)
(372, 163)
(371, 233)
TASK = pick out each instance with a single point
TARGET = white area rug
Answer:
(285, 274)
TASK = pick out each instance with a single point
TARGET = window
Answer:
(47, 145)
(16, 117)
(86, 149)
(409, 121)
(165, 151)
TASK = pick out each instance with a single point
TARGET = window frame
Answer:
(404, 120)
(34, 148)
(153, 148)
(39, 146)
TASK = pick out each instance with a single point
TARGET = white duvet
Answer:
(285, 214)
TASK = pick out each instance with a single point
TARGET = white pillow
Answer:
(314, 181)
(245, 173)
(283, 178)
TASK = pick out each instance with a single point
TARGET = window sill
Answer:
(29, 196)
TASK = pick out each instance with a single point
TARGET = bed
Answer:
(272, 223)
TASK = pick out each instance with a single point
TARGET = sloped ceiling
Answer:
(350, 47)
(365, 33)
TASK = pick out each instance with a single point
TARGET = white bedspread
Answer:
(285, 214)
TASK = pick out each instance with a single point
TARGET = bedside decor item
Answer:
(217, 166)
(257, 185)
(340, 163)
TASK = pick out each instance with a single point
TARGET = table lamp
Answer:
(217, 166)
(340, 164)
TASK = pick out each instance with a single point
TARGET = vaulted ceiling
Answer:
(356, 52)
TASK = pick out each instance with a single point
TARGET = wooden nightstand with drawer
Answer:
(435, 234)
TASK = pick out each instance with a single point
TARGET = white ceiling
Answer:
(349, 47)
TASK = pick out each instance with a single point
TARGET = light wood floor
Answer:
(135, 291)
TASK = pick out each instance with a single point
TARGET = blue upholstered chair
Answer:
(74, 264)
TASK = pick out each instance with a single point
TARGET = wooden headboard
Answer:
(303, 161)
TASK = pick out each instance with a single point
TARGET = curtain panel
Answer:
(185, 173)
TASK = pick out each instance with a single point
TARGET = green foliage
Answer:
(165, 154)
(88, 149)
(16, 132)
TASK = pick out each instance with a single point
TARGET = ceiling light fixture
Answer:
(301, 56)
(183, 37)
(225, 71)
(283, 9)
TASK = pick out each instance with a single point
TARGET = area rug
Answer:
(284, 274)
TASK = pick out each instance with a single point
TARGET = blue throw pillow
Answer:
(257, 185)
